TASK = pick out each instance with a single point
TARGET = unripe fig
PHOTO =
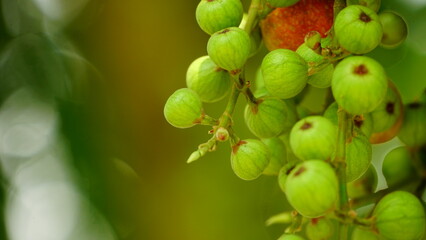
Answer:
(397, 167)
(358, 29)
(285, 73)
(249, 158)
(359, 84)
(400, 215)
(388, 112)
(290, 237)
(281, 3)
(388, 116)
(321, 79)
(358, 156)
(371, 4)
(313, 137)
(394, 29)
(278, 155)
(183, 109)
(268, 118)
(229, 48)
(208, 80)
(361, 234)
(312, 188)
(413, 130)
(319, 229)
(364, 185)
(259, 89)
(287, 27)
(215, 15)
(362, 122)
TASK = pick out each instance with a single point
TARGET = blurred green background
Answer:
(92, 78)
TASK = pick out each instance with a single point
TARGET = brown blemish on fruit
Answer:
(414, 105)
(235, 72)
(237, 146)
(364, 17)
(390, 107)
(210, 0)
(289, 170)
(219, 69)
(224, 31)
(359, 120)
(299, 171)
(315, 221)
(361, 70)
(306, 126)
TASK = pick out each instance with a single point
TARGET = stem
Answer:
(340, 163)
(338, 6)
(225, 120)
(252, 16)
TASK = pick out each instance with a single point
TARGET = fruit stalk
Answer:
(340, 163)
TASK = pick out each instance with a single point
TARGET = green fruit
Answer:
(215, 15)
(371, 4)
(400, 215)
(208, 80)
(364, 185)
(397, 167)
(359, 84)
(321, 79)
(395, 29)
(313, 137)
(413, 130)
(319, 229)
(281, 3)
(268, 118)
(358, 29)
(259, 89)
(184, 108)
(361, 234)
(362, 122)
(358, 156)
(312, 188)
(388, 112)
(249, 158)
(278, 155)
(290, 237)
(285, 73)
(229, 48)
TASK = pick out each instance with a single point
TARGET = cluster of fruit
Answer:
(322, 160)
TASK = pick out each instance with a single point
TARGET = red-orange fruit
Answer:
(287, 27)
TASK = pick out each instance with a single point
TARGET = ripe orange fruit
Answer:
(287, 27)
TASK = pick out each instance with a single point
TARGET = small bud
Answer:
(313, 40)
(321, 79)
(222, 135)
